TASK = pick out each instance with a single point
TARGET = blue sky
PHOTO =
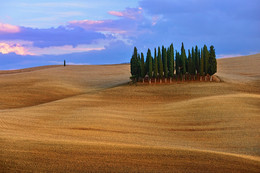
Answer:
(46, 32)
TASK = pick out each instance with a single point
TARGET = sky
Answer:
(45, 32)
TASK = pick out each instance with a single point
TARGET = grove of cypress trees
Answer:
(160, 64)
(199, 61)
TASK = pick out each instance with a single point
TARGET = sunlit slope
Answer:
(183, 127)
(240, 69)
(28, 87)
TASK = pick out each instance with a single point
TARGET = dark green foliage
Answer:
(168, 52)
(163, 56)
(193, 59)
(177, 59)
(206, 59)
(197, 60)
(165, 66)
(160, 63)
(142, 66)
(202, 63)
(171, 61)
(183, 59)
(212, 69)
(134, 64)
(139, 66)
(150, 63)
(189, 63)
(155, 64)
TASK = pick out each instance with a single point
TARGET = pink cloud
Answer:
(116, 13)
(15, 48)
(89, 22)
(100, 26)
(7, 28)
(131, 13)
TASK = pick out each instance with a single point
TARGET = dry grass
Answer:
(77, 119)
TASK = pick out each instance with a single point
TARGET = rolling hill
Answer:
(87, 118)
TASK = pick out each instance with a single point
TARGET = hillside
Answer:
(85, 118)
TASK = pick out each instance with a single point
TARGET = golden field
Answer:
(89, 119)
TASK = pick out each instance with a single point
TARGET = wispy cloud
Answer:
(228, 55)
(66, 49)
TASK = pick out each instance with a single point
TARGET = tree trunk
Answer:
(150, 81)
(154, 80)
(165, 80)
(160, 80)
(170, 80)
(200, 78)
(143, 80)
(211, 78)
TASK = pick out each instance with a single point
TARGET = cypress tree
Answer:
(212, 69)
(150, 63)
(197, 52)
(183, 59)
(142, 66)
(206, 59)
(134, 64)
(155, 64)
(202, 63)
(171, 61)
(189, 63)
(177, 62)
(193, 57)
(139, 66)
(160, 64)
(163, 56)
(165, 67)
(168, 52)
